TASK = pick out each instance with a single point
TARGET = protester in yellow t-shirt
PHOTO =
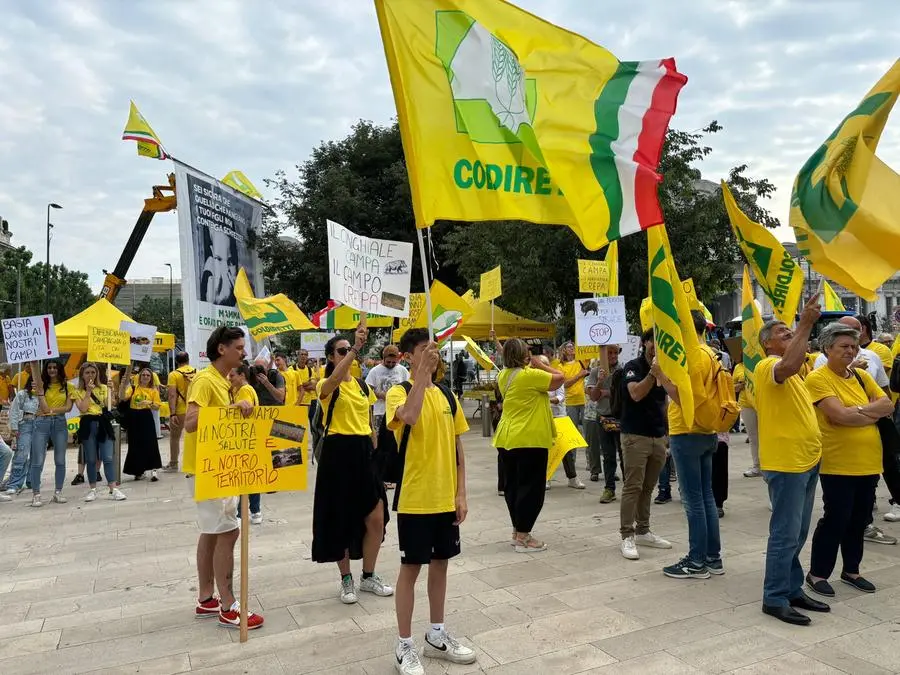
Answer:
(6, 385)
(20, 379)
(143, 447)
(350, 504)
(290, 378)
(177, 393)
(849, 404)
(50, 428)
(575, 374)
(743, 387)
(790, 448)
(524, 436)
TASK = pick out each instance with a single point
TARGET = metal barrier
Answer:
(486, 430)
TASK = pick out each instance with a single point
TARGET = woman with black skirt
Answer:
(350, 505)
(143, 448)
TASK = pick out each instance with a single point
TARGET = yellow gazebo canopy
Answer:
(72, 334)
(506, 325)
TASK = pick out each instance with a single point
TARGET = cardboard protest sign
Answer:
(29, 338)
(630, 350)
(600, 321)
(107, 345)
(371, 275)
(238, 455)
(491, 285)
(567, 438)
(141, 338)
(593, 277)
(478, 353)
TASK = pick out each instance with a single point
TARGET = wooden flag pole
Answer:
(427, 284)
(492, 315)
(245, 552)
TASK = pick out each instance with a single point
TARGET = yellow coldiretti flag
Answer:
(491, 285)
(612, 264)
(694, 302)
(646, 315)
(505, 116)
(676, 339)
(448, 311)
(777, 272)
(845, 207)
(138, 129)
(267, 316)
(478, 353)
(751, 324)
(831, 300)
(241, 183)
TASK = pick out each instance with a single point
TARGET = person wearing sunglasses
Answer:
(350, 504)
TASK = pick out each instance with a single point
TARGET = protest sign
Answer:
(29, 338)
(630, 350)
(141, 338)
(248, 343)
(600, 321)
(314, 343)
(107, 345)
(491, 285)
(587, 353)
(236, 455)
(567, 438)
(478, 353)
(593, 277)
(371, 275)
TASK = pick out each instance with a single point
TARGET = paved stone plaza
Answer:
(110, 587)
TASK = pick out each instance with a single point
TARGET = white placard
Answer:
(371, 275)
(141, 337)
(29, 338)
(630, 350)
(314, 343)
(248, 343)
(600, 321)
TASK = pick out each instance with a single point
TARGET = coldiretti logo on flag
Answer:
(505, 116)
(778, 274)
(845, 206)
(751, 324)
(267, 316)
(676, 339)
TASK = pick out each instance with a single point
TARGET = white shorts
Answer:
(215, 516)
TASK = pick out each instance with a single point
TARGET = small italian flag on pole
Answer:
(325, 317)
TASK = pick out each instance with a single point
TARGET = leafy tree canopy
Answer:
(69, 290)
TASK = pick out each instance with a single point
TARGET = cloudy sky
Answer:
(231, 84)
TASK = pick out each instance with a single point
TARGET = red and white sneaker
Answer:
(232, 618)
(207, 608)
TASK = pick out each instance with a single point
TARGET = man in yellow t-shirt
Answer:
(216, 518)
(430, 497)
(790, 448)
(20, 379)
(290, 378)
(6, 385)
(177, 391)
(575, 374)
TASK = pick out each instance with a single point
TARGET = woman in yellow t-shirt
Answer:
(350, 505)
(95, 431)
(848, 405)
(242, 390)
(525, 433)
(50, 427)
(142, 398)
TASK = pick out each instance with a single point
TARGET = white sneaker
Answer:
(5, 497)
(576, 483)
(406, 660)
(651, 541)
(36, 501)
(893, 515)
(752, 472)
(629, 549)
(444, 646)
(375, 584)
(348, 591)
(58, 498)
(256, 518)
(117, 495)
(91, 495)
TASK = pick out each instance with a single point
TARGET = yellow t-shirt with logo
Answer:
(704, 388)
(574, 392)
(209, 389)
(789, 436)
(248, 394)
(745, 398)
(883, 353)
(429, 467)
(180, 378)
(100, 393)
(351, 411)
(526, 421)
(55, 395)
(143, 398)
(846, 451)
(290, 386)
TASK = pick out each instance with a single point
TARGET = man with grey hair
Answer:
(790, 448)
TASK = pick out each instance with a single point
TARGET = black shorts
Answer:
(427, 537)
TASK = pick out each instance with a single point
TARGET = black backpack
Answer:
(616, 393)
(895, 376)
(320, 421)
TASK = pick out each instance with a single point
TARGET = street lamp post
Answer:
(51, 205)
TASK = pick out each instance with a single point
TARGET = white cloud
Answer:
(229, 84)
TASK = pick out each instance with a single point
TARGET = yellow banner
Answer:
(265, 452)
(567, 438)
(107, 345)
(593, 277)
(478, 353)
(491, 285)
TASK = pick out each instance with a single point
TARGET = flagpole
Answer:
(426, 283)
(492, 315)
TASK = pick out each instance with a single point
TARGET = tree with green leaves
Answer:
(155, 312)
(69, 290)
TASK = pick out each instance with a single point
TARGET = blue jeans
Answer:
(255, 504)
(792, 496)
(46, 429)
(22, 458)
(5, 458)
(92, 449)
(665, 478)
(692, 454)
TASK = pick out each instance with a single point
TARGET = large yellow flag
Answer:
(777, 272)
(612, 265)
(831, 301)
(751, 324)
(239, 181)
(845, 207)
(676, 340)
(138, 129)
(505, 116)
(267, 316)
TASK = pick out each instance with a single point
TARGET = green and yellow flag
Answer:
(448, 311)
(845, 207)
(646, 315)
(138, 129)
(694, 302)
(676, 340)
(612, 264)
(777, 272)
(831, 301)
(267, 316)
(505, 116)
(751, 324)
(241, 183)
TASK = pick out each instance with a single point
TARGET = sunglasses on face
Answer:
(342, 351)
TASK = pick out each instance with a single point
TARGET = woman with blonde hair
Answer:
(95, 429)
(525, 434)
